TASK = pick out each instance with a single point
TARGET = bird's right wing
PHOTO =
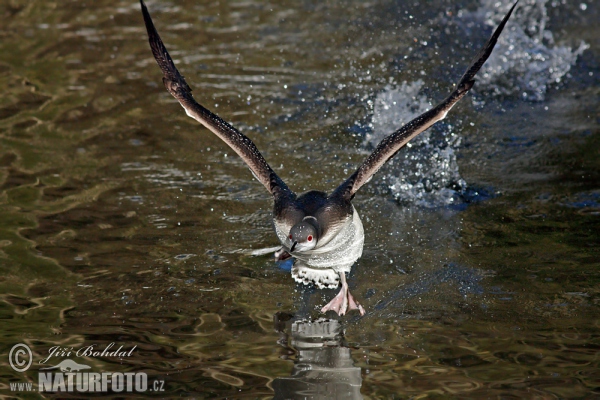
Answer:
(241, 144)
(394, 142)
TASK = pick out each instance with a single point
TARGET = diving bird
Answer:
(323, 232)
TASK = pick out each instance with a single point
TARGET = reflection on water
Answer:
(323, 368)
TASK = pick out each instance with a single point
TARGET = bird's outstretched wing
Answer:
(394, 142)
(241, 144)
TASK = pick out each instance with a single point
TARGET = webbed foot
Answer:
(343, 301)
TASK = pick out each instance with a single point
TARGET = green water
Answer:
(122, 221)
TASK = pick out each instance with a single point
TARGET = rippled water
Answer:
(122, 221)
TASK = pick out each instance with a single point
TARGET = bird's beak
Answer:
(293, 246)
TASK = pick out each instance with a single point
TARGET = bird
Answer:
(322, 232)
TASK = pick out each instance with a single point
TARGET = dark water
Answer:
(122, 221)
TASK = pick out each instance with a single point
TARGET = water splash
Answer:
(526, 60)
(425, 172)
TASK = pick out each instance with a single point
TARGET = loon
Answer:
(323, 232)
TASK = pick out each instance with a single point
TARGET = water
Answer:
(528, 60)
(122, 221)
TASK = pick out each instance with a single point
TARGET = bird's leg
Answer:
(343, 301)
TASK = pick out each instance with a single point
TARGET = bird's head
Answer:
(303, 236)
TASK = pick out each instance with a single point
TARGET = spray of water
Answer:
(526, 60)
(427, 172)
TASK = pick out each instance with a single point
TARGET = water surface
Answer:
(122, 220)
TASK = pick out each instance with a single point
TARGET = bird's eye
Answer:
(309, 238)
(290, 237)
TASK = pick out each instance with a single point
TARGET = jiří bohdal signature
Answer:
(88, 351)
